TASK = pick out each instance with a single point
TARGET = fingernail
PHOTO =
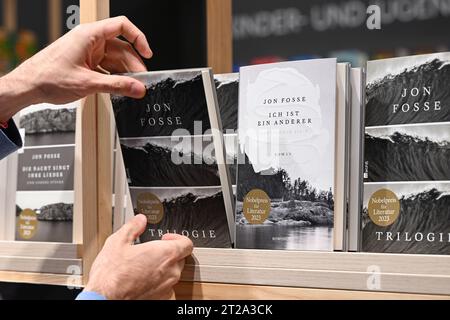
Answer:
(142, 218)
(137, 90)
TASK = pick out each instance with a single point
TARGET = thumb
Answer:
(132, 229)
(183, 245)
(172, 236)
(118, 85)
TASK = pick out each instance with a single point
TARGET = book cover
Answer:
(407, 152)
(357, 80)
(173, 151)
(45, 173)
(287, 122)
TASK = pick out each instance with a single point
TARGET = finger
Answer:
(120, 57)
(132, 229)
(118, 85)
(180, 265)
(183, 245)
(121, 26)
(172, 236)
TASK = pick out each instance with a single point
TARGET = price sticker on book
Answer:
(256, 206)
(149, 205)
(27, 224)
(384, 207)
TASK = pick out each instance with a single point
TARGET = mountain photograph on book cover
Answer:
(47, 124)
(54, 212)
(301, 215)
(197, 213)
(408, 153)
(423, 225)
(170, 161)
(408, 90)
(227, 86)
(173, 101)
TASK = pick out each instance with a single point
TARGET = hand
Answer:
(144, 271)
(68, 69)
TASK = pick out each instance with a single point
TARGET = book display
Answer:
(37, 214)
(406, 164)
(175, 169)
(289, 177)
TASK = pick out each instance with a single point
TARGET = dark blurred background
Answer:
(263, 31)
(267, 30)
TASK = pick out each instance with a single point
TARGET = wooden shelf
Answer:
(272, 274)
(41, 278)
(221, 291)
(400, 273)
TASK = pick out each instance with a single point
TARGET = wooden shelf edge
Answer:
(52, 250)
(187, 290)
(221, 291)
(41, 278)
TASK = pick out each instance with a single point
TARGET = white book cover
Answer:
(44, 174)
(286, 171)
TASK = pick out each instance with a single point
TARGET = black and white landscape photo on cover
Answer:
(408, 153)
(170, 161)
(197, 213)
(174, 100)
(408, 90)
(54, 212)
(227, 86)
(47, 124)
(301, 214)
(423, 225)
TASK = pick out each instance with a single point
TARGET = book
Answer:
(357, 80)
(286, 160)
(341, 157)
(406, 158)
(174, 155)
(44, 201)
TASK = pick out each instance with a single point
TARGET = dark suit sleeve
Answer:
(10, 139)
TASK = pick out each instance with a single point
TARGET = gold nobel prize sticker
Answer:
(149, 205)
(256, 206)
(27, 224)
(384, 207)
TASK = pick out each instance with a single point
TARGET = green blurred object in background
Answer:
(15, 48)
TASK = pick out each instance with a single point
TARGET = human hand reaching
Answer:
(72, 67)
(144, 271)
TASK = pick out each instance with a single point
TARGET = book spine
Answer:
(341, 156)
(356, 158)
(219, 147)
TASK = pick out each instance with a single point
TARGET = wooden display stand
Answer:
(221, 273)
